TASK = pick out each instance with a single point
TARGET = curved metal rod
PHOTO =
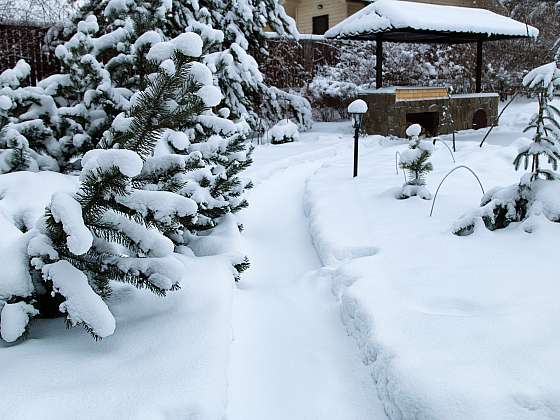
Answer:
(446, 145)
(397, 158)
(445, 177)
(499, 116)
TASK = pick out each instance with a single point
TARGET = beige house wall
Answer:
(308, 9)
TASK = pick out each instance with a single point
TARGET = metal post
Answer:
(379, 62)
(356, 136)
(479, 66)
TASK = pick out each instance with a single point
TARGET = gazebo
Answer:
(410, 22)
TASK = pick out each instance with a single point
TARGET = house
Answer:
(317, 16)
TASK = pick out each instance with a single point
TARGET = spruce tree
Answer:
(230, 54)
(26, 117)
(520, 202)
(415, 161)
(84, 93)
(113, 228)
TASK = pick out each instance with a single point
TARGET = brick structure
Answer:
(27, 42)
(392, 110)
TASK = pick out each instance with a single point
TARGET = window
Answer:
(320, 24)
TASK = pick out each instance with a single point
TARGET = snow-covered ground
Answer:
(451, 327)
(291, 358)
(441, 327)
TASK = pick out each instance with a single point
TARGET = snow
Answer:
(14, 320)
(81, 303)
(161, 204)
(201, 74)
(66, 210)
(388, 15)
(450, 327)
(128, 162)
(547, 75)
(359, 106)
(148, 38)
(291, 358)
(5, 102)
(168, 358)
(117, 7)
(355, 302)
(148, 239)
(414, 130)
(23, 198)
(284, 131)
(210, 95)
(189, 44)
(12, 77)
(89, 25)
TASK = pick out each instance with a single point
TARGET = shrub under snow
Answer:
(284, 132)
(536, 195)
(415, 161)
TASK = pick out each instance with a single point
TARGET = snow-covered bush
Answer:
(165, 169)
(26, 115)
(114, 228)
(415, 161)
(537, 193)
(86, 97)
(233, 32)
(284, 132)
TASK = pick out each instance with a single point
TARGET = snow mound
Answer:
(14, 320)
(414, 130)
(359, 106)
(129, 163)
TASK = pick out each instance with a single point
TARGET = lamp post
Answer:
(357, 110)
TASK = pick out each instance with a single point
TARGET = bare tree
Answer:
(36, 12)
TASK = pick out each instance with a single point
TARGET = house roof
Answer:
(405, 21)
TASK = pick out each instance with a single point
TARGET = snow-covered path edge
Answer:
(338, 245)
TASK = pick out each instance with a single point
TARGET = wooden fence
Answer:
(27, 42)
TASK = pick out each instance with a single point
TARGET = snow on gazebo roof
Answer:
(404, 21)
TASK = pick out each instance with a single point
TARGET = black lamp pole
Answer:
(357, 110)
(356, 136)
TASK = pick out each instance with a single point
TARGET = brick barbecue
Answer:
(393, 109)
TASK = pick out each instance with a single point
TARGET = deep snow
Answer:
(291, 357)
(448, 327)
(451, 327)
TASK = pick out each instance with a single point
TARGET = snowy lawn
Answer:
(168, 358)
(451, 327)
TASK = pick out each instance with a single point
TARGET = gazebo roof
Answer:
(404, 21)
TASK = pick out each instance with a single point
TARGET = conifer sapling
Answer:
(415, 161)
